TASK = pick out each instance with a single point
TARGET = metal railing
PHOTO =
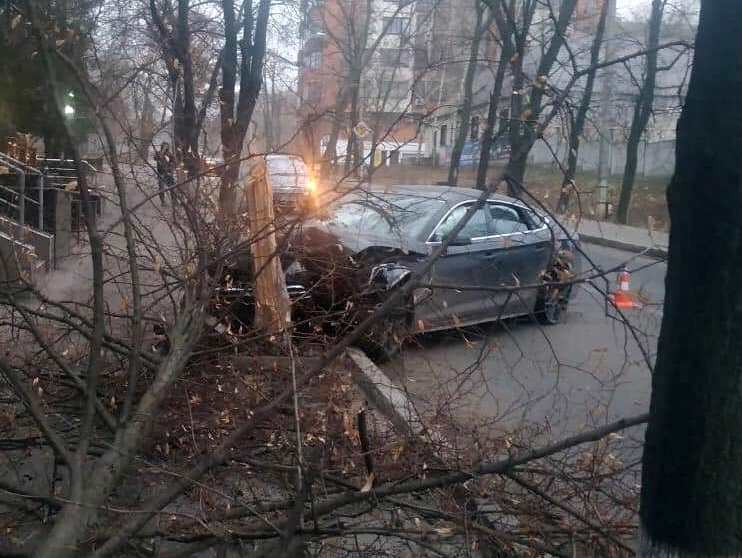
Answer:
(60, 173)
(20, 197)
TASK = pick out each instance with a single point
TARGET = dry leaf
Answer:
(368, 484)
(445, 531)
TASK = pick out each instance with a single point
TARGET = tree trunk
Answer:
(330, 155)
(272, 305)
(235, 120)
(350, 146)
(515, 171)
(516, 167)
(489, 130)
(691, 494)
(268, 121)
(524, 113)
(189, 138)
(578, 124)
(642, 112)
(146, 123)
(230, 153)
(465, 112)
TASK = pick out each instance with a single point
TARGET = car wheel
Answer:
(552, 305)
(384, 340)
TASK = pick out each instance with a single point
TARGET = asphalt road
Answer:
(587, 370)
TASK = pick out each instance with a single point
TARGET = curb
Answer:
(386, 397)
(651, 251)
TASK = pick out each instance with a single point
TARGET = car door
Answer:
(461, 266)
(522, 252)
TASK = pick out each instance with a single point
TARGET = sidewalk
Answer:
(72, 279)
(623, 237)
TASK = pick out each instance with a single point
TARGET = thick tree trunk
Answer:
(578, 124)
(516, 168)
(272, 305)
(487, 139)
(465, 112)
(230, 152)
(691, 494)
(235, 120)
(515, 171)
(642, 112)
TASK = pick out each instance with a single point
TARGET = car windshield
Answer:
(286, 165)
(384, 215)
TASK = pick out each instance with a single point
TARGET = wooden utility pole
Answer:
(272, 305)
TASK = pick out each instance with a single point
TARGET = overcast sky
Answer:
(629, 8)
(626, 8)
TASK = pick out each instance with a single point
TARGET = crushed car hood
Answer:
(317, 235)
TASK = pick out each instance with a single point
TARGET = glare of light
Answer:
(312, 185)
(69, 110)
(71, 94)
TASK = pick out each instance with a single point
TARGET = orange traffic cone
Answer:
(623, 298)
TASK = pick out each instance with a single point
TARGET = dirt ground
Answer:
(544, 182)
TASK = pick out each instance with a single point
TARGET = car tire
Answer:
(551, 305)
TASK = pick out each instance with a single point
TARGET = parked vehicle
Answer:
(293, 184)
(502, 264)
(507, 261)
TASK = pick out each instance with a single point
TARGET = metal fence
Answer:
(29, 204)
(61, 174)
(25, 202)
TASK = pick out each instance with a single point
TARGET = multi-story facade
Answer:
(414, 59)
(358, 65)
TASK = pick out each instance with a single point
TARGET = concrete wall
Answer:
(62, 224)
(655, 159)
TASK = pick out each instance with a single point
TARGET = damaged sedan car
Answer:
(508, 260)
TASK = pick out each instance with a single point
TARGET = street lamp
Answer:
(68, 109)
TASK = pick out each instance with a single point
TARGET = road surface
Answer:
(587, 370)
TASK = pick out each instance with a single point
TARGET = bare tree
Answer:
(577, 121)
(526, 107)
(236, 112)
(481, 25)
(506, 52)
(642, 110)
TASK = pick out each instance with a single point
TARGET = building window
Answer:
(395, 57)
(313, 93)
(474, 129)
(444, 135)
(313, 60)
(396, 25)
(394, 89)
(504, 124)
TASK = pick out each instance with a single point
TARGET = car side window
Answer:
(475, 227)
(506, 219)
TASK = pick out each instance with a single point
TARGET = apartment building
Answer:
(358, 67)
